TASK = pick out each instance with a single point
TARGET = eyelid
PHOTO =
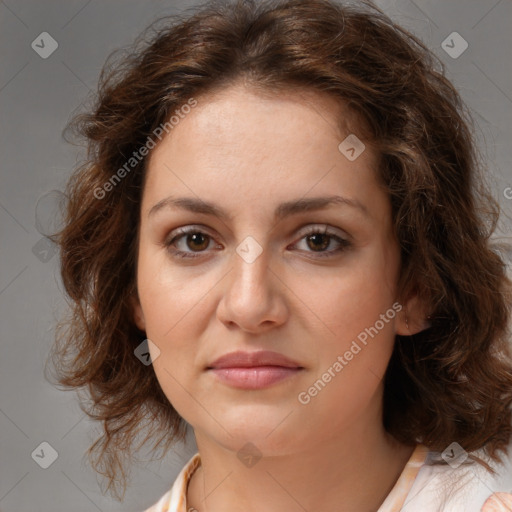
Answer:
(187, 228)
(324, 229)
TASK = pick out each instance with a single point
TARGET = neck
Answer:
(352, 473)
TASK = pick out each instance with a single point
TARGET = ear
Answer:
(413, 317)
(138, 315)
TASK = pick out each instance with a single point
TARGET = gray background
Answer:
(37, 97)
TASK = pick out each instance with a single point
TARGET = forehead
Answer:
(301, 113)
(239, 141)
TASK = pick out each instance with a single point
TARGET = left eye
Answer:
(316, 239)
(319, 241)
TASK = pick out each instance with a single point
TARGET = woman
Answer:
(282, 211)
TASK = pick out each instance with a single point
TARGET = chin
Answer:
(267, 432)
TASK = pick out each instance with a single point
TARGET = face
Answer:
(273, 271)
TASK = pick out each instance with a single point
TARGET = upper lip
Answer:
(241, 359)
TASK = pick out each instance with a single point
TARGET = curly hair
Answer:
(450, 382)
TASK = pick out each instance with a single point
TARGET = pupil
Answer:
(317, 238)
(196, 239)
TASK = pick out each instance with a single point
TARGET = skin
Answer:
(247, 153)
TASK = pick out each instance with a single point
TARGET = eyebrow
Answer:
(283, 210)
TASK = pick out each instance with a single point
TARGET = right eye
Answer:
(190, 238)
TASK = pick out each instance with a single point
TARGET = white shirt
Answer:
(427, 484)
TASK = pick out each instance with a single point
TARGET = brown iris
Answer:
(200, 240)
(317, 238)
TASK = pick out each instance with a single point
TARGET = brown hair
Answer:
(451, 382)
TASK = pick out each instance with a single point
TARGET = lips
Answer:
(253, 359)
(253, 370)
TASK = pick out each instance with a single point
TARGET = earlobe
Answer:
(413, 318)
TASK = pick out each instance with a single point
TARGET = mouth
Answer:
(253, 370)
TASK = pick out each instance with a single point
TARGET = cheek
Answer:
(353, 359)
(358, 311)
(169, 296)
(173, 308)
(361, 330)
(352, 297)
(173, 322)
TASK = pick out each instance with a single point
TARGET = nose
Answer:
(254, 297)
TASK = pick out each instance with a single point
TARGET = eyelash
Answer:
(181, 232)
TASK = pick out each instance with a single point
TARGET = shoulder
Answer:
(468, 487)
(162, 505)
(498, 502)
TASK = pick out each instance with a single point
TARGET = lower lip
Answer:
(256, 377)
